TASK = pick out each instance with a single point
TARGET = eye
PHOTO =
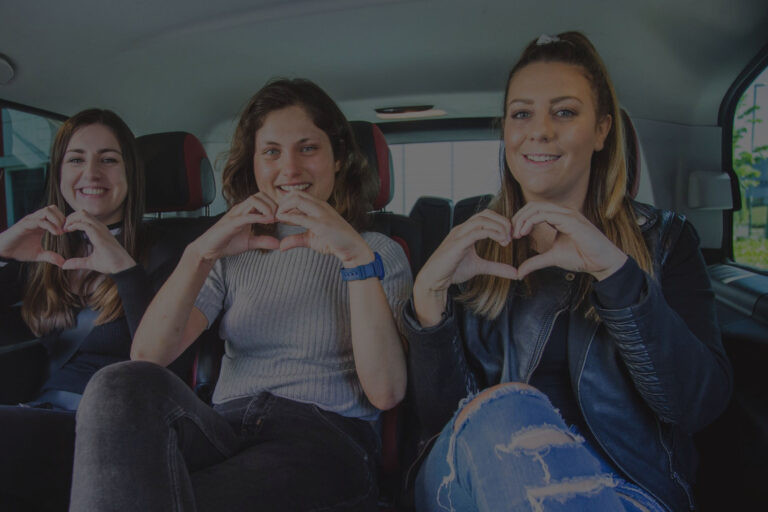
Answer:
(309, 148)
(520, 114)
(75, 160)
(109, 160)
(565, 113)
(272, 152)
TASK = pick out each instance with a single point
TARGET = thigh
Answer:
(37, 447)
(510, 450)
(296, 457)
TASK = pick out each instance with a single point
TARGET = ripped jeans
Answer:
(509, 450)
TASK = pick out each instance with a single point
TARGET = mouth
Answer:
(540, 158)
(294, 187)
(92, 191)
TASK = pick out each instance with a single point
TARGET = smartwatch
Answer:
(372, 269)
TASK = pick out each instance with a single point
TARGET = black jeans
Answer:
(36, 448)
(145, 442)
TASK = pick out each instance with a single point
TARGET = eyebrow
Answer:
(100, 151)
(270, 142)
(551, 102)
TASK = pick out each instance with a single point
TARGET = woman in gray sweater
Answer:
(312, 346)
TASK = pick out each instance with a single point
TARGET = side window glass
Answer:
(750, 162)
(24, 152)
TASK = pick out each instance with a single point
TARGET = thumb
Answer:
(293, 241)
(495, 268)
(263, 242)
(76, 264)
(537, 262)
(51, 257)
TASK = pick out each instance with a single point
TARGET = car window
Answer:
(24, 153)
(453, 170)
(750, 163)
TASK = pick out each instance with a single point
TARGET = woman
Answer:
(573, 298)
(79, 266)
(312, 347)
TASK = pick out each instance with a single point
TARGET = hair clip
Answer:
(547, 39)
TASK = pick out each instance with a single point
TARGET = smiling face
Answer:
(291, 153)
(93, 173)
(551, 131)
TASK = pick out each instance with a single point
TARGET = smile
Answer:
(538, 158)
(92, 191)
(291, 188)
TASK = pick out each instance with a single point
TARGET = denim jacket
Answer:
(646, 376)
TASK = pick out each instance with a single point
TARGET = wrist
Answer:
(609, 271)
(192, 255)
(361, 256)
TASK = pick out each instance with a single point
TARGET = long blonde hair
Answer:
(607, 205)
(49, 300)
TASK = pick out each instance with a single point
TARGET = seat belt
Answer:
(69, 340)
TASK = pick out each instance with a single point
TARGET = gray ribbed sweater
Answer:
(286, 323)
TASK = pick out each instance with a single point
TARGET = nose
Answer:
(92, 168)
(291, 166)
(541, 129)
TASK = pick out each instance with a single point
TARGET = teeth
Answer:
(289, 188)
(93, 191)
(542, 158)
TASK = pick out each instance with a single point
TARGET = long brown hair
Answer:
(50, 302)
(606, 205)
(354, 186)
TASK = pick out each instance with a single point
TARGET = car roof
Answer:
(190, 65)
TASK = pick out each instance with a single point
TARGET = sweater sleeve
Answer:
(670, 341)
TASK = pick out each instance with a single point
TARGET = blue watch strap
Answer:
(372, 269)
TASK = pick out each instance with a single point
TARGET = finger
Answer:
(52, 258)
(478, 229)
(54, 215)
(302, 202)
(495, 268)
(298, 218)
(523, 220)
(535, 263)
(263, 204)
(46, 224)
(76, 264)
(263, 242)
(294, 241)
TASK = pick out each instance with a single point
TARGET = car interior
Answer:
(422, 82)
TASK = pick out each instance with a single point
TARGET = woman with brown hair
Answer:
(79, 267)
(310, 302)
(579, 354)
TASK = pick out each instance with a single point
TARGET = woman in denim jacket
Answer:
(582, 348)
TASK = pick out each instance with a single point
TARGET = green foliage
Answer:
(751, 252)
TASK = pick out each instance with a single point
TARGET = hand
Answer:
(578, 245)
(23, 240)
(107, 255)
(232, 233)
(456, 261)
(327, 232)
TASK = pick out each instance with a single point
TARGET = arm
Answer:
(670, 341)
(376, 345)
(171, 322)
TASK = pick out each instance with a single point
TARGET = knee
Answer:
(123, 391)
(493, 394)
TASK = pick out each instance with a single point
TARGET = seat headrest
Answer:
(632, 152)
(374, 147)
(179, 176)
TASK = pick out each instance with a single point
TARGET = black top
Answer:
(110, 342)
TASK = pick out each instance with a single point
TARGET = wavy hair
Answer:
(607, 204)
(354, 186)
(51, 298)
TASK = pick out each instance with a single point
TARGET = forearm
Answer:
(164, 332)
(377, 347)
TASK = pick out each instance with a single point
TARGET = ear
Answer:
(337, 166)
(601, 131)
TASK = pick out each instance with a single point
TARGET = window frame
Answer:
(27, 109)
(725, 120)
